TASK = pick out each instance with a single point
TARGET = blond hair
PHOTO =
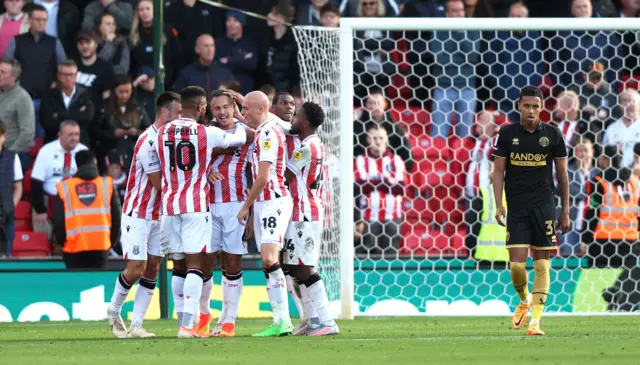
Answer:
(134, 34)
(382, 9)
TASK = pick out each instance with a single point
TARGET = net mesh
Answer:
(426, 240)
(319, 59)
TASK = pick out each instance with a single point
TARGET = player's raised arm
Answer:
(286, 126)
(223, 140)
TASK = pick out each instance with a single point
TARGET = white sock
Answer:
(177, 289)
(318, 294)
(307, 303)
(231, 292)
(120, 293)
(144, 295)
(291, 288)
(277, 291)
(192, 293)
(205, 297)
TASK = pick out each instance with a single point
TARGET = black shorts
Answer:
(532, 227)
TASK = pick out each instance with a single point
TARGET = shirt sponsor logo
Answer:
(297, 156)
(266, 145)
(528, 159)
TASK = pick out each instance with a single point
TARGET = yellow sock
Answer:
(519, 279)
(540, 288)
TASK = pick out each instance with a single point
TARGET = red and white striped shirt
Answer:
(142, 200)
(305, 160)
(379, 205)
(232, 167)
(330, 172)
(479, 166)
(185, 149)
(270, 145)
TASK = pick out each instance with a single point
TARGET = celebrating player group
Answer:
(188, 195)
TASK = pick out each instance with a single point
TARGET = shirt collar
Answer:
(539, 128)
(17, 17)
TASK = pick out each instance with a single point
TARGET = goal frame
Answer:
(347, 28)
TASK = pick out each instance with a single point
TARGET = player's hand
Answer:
(501, 213)
(214, 177)
(242, 216)
(251, 133)
(359, 231)
(41, 218)
(564, 222)
(235, 96)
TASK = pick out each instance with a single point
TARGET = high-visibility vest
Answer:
(618, 217)
(492, 238)
(87, 212)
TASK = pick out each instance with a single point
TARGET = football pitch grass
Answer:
(364, 341)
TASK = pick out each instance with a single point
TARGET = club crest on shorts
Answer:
(136, 250)
(544, 141)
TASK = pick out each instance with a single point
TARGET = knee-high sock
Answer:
(540, 288)
(318, 294)
(205, 297)
(144, 295)
(120, 293)
(231, 292)
(177, 289)
(192, 293)
(291, 288)
(307, 302)
(519, 279)
(277, 291)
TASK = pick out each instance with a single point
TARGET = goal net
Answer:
(422, 102)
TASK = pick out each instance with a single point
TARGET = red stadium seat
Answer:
(416, 121)
(35, 147)
(22, 215)
(425, 147)
(419, 240)
(629, 82)
(31, 244)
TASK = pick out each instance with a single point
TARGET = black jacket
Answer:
(142, 53)
(81, 109)
(279, 62)
(68, 26)
(398, 141)
(87, 172)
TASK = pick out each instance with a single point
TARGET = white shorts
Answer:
(188, 233)
(302, 243)
(228, 233)
(141, 237)
(271, 219)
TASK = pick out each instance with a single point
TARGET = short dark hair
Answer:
(217, 93)
(284, 9)
(267, 89)
(329, 8)
(68, 63)
(314, 114)
(85, 157)
(276, 98)
(232, 85)
(531, 91)
(165, 99)
(30, 8)
(192, 95)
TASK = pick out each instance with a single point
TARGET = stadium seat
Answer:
(22, 215)
(629, 82)
(420, 240)
(31, 244)
(418, 209)
(425, 147)
(416, 121)
(35, 147)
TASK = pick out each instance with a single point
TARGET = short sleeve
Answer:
(301, 158)
(267, 145)
(399, 170)
(148, 156)
(559, 148)
(216, 136)
(39, 167)
(500, 146)
(17, 169)
(222, 139)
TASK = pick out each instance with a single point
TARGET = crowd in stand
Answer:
(428, 103)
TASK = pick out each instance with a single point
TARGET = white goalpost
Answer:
(420, 276)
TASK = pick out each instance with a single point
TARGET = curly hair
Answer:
(314, 114)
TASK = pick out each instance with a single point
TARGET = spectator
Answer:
(237, 52)
(513, 60)
(94, 73)
(125, 121)
(191, 19)
(141, 41)
(269, 91)
(206, 72)
(374, 113)
(372, 64)
(112, 47)
(379, 177)
(625, 132)
(579, 170)
(232, 85)
(518, 10)
(55, 162)
(456, 54)
(63, 23)
(615, 234)
(16, 111)
(309, 14)
(631, 46)
(595, 94)
(68, 101)
(83, 227)
(280, 51)
(568, 117)
(10, 193)
(478, 9)
(330, 16)
(145, 86)
(351, 8)
(568, 48)
(38, 54)
(480, 146)
(12, 23)
(121, 11)
(118, 174)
